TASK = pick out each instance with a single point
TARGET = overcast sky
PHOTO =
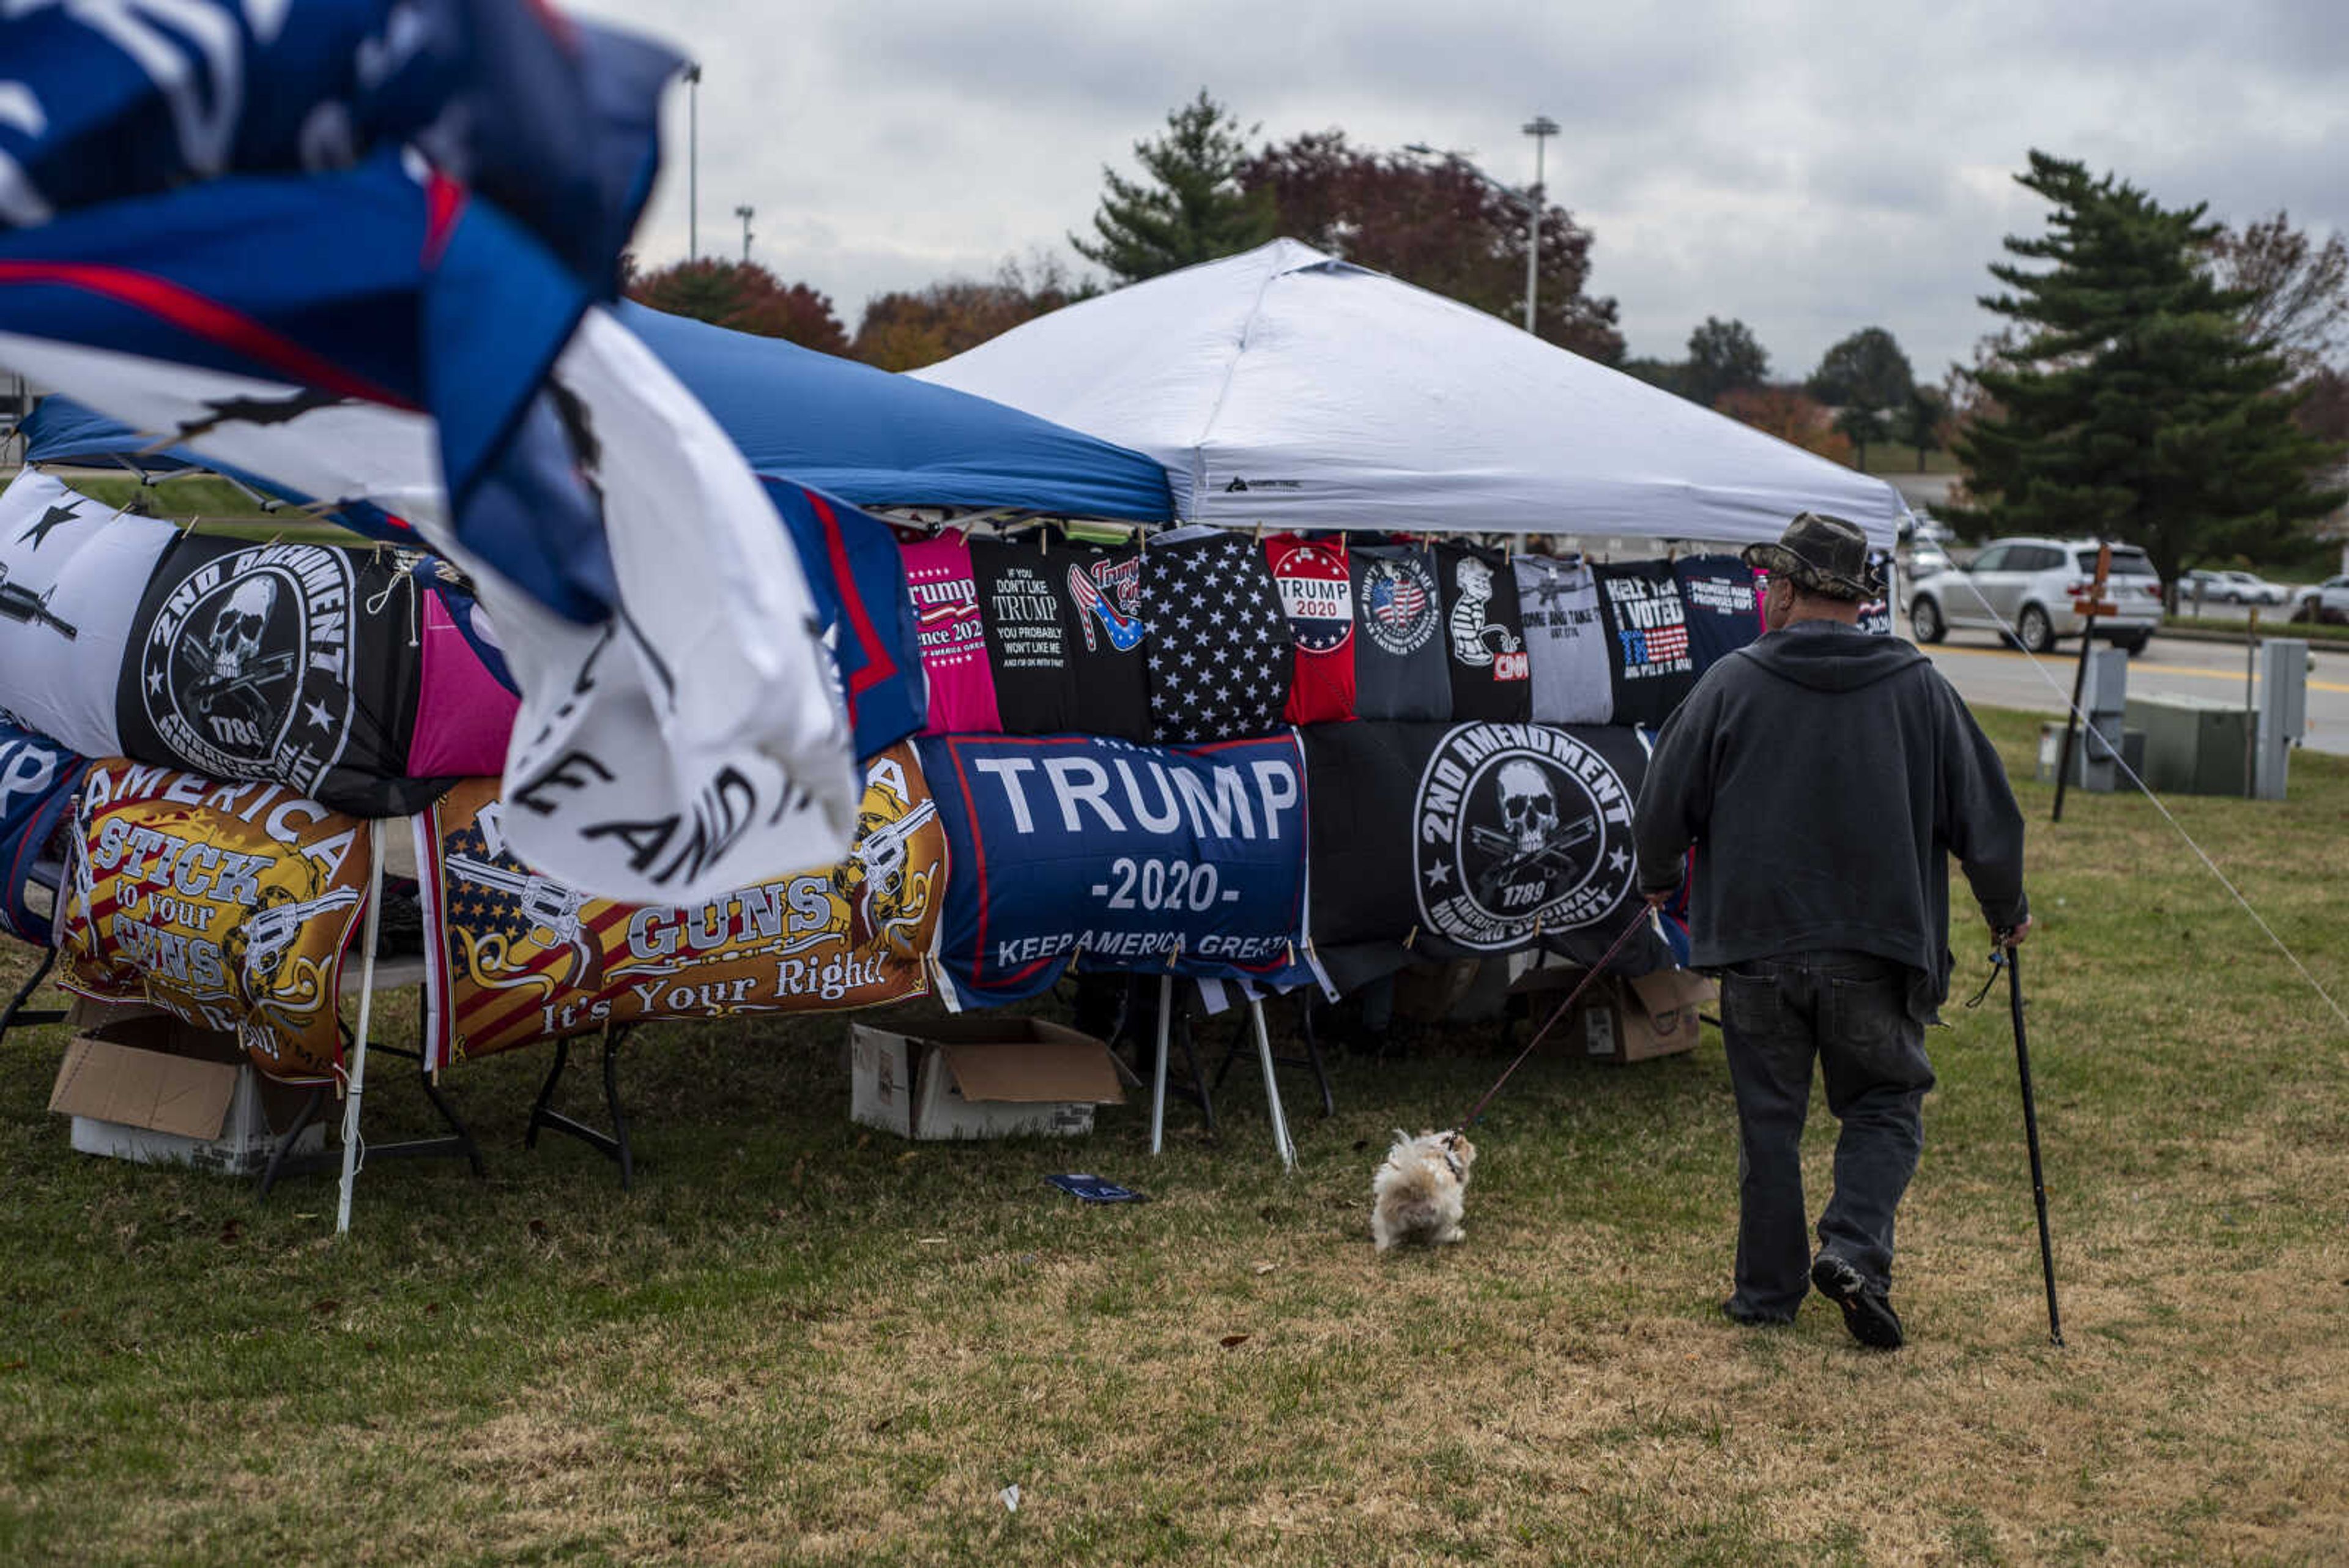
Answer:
(1812, 167)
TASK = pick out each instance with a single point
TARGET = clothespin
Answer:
(1259, 531)
(1411, 936)
(1291, 948)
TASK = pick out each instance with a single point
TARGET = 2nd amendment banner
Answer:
(228, 905)
(1469, 839)
(522, 958)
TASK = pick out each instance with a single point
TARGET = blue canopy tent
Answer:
(61, 431)
(883, 440)
(868, 436)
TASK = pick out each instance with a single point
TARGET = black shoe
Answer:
(1867, 1311)
(1745, 1316)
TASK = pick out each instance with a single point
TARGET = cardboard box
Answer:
(1653, 1015)
(981, 1077)
(140, 1085)
(1620, 1020)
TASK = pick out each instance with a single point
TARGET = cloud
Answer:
(1808, 166)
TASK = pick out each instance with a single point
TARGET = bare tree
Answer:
(2299, 287)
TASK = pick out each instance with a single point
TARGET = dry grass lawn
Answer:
(799, 1343)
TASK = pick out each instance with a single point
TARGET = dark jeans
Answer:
(1851, 1010)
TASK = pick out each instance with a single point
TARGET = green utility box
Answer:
(2194, 745)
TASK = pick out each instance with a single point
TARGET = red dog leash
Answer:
(1477, 1110)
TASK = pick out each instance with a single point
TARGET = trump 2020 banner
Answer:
(38, 780)
(1468, 839)
(519, 958)
(1119, 857)
(228, 905)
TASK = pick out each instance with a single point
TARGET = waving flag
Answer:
(386, 334)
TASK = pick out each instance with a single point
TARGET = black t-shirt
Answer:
(1107, 656)
(1646, 641)
(1484, 640)
(1724, 612)
(1399, 664)
(1220, 655)
(1028, 637)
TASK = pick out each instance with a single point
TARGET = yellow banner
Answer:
(522, 958)
(228, 905)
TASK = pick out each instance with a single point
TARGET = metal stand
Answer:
(1172, 1025)
(1280, 1138)
(615, 1145)
(16, 1012)
(1311, 1059)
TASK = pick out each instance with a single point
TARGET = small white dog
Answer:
(1417, 1194)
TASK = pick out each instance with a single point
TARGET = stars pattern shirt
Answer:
(1220, 658)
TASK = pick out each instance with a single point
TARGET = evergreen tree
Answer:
(2134, 404)
(1192, 209)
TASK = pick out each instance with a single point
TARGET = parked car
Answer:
(1925, 561)
(2229, 588)
(2024, 587)
(2258, 590)
(2326, 601)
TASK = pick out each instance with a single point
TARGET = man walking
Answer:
(1823, 774)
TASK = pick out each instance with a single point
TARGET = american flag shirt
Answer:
(1646, 641)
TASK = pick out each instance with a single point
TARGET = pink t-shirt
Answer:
(464, 719)
(954, 641)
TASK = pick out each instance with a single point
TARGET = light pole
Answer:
(693, 161)
(745, 214)
(1541, 127)
(1530, 196)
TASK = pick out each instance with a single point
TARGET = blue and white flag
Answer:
(385, 334)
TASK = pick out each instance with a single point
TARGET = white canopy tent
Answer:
(1289, 388)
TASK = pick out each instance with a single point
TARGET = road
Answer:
(1985, 671)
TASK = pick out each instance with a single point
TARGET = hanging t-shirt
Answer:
(1317, 595)
(1103, 604)
(1219, 650)
(1876, 614)
(1646, 641)
(1399, 664)
(1558, 602)
(1483, 637)
(1027, 638)
(953, 635)
(1724, 613)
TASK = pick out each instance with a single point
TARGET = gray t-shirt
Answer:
(1558, 604)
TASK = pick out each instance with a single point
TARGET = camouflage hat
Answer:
(1821, 554)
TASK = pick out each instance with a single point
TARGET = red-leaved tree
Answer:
(745, 296)
(1432, 222)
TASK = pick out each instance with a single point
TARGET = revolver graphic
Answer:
(881, 854)
(551, 909)
(271, 929)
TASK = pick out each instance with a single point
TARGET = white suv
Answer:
(2027, 585)
(2327, 601)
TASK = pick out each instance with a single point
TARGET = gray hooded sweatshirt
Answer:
(1824, 774)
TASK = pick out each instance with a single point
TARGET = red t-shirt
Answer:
(1317, 595)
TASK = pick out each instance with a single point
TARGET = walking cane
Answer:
(2012, 958)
